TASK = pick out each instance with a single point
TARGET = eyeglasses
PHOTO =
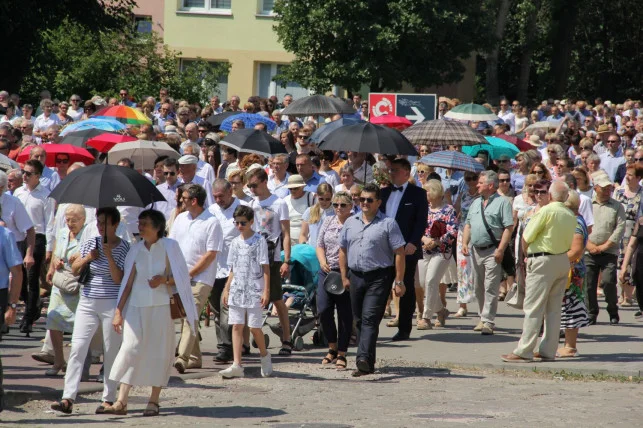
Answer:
(323, 199)
(27, 173)
(63, 161)
(342, 205)
(612, 141)
(422, 172)
(123, 94)
(252, 185)
(366, 200)
(240, 223)
(303, 136)
(638, 159)
(505, 180)
(541, 192)
(202, 131)
(74, 100)
(170, 173)
(551, 152)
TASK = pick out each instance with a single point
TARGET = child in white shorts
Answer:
(247, 291)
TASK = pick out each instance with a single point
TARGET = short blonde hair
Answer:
(434, 189)
(239, 173)
(573, 201)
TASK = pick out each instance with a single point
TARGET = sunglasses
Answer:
(638, 159)
(323, 199)
(123, 94)
(505, 180)
(170, 173)
(27, 173)
(251, 186)
(541, 192)
(366, 200)
(63, 161)
(240, 223)
(337, 205)
(612, 141)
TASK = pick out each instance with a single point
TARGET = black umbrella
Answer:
(321, 133)
(106, 186)
(79, 138)
(368, 138)
(253, 141)
(217, 119)
(317, 104)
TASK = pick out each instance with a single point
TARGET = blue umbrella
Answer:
(94, 123)
(249, 120)
(452, 160)
(496, 147)
(319, 135)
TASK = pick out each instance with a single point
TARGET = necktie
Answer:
(397, 189)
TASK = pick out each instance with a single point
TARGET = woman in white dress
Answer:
(154, 266)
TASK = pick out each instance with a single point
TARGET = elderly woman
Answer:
(46, 119)
(314, 216)
(346, 178)
(574, 312)
(522, 204)
(554, 152)
(465, 269)
(437, 249)
(593, 163)
(423, 171)
(64, 118)
(328, 256)
(153, 269)
(62, 302)
(183, 117)
(630, 196)
(523, 165)
(104, 256)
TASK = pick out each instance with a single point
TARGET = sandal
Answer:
(461, 313)
(286, 348)
(501, 296)
(328, 361)
(65, 406)
(101, 409)
(118, 408)
(152, 409)
(393, 323)
(340, 363)
(424, 324)
(569, 353)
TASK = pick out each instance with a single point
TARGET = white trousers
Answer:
(91, 315)
(431, 268)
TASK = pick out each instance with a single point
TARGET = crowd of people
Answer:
(552, 230)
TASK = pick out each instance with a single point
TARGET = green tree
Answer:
(74, 60)
(382, 43)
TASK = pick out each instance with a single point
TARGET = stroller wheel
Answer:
(266, 340)
(298, 344)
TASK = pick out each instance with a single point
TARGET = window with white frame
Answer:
(267, 7)
(267, 87)
(206, 5)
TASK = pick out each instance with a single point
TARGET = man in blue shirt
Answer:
(10, 263)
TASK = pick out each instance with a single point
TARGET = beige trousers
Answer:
(431, 268)
(544, 289)
(189, 347)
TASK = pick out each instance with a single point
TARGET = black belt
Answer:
(484, 248)
(542, 254)
(371, 273)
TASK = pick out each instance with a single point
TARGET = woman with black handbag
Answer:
(437, 246)
(154, 268)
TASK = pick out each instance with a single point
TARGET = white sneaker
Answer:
(233, 371)
(266, 365)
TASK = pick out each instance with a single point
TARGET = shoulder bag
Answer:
(508, 264)
(177, 310)
(85, 274)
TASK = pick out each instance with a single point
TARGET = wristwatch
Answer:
(398, 283)
(13, 305)
(288, 262)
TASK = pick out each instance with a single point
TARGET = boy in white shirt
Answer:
(247, 291)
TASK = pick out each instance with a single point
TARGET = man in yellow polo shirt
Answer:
(548, 237)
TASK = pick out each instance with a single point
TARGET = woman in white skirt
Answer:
(153, 266)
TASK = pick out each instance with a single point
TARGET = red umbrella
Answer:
(76, 154)
(392, 121)
(522, 145)
(104, 142)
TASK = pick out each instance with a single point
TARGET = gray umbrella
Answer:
(6, 163)
(317, 104)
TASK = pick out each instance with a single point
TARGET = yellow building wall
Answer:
(243, 38)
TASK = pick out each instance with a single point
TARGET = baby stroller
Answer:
(302, 286)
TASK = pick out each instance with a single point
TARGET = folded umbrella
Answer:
(105, 141)
(142, 152)
(316, 105)
(471, 112)
(443, 133)
(321, 132)
(253, 141)
(104, 124)
(103, 185)
(249, 121)
(76, 154)
(123, 114)
(452, 160)
(368, 138)
(496, 147)
(392, 121)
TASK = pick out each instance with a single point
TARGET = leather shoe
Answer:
(43, 357)
(222, 358)
(592, 320)
(614, 320)
(399, 336)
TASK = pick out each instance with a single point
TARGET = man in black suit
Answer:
(407, 204)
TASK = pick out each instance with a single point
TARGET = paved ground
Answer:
(447, 376)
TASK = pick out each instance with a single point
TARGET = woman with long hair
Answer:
(583, 181)
(314, 216)
(523, 164)
(541, 171)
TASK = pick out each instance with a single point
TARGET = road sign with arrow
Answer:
(415, 107)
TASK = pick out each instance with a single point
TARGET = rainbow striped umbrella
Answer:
(123, 114)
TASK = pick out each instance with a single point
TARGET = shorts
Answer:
(276, 293)
(237, 315)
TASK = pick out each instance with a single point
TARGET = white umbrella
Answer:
(142, 152)
(544, 124)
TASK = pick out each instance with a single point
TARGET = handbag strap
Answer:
(486, 225)
(168, 270)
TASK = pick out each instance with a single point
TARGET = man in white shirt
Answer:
(200, 237)
(46, 119)
(188, 168)
(279, 178)
(203, 169)
(215, 103)
(75, 110)
(49, 178)
(40, 209)
(223, 210)
(506, 115)
(613, 157)
(168, 189)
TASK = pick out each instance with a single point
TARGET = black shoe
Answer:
(363, 366)
(26, 328)
(614, 320)
(453, 288)
(592, 320)
(399, 336)
(638, 314)
(222, 358)
(246, 350)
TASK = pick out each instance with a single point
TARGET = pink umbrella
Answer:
(104, 142)
(392, 121)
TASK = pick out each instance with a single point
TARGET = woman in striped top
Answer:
(105, 255)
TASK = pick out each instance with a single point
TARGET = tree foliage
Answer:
(383, 43)
(72, 59)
